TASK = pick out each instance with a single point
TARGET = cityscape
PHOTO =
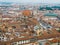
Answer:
(29, 24)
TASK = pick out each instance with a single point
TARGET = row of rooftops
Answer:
(16, 25)
(24, 29)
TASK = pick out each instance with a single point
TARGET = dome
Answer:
(26, 12)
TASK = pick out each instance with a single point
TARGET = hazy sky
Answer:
(33, 1)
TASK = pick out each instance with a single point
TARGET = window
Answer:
(48, 32)
(0, 38)
(41, 33)
(0, 30)
(4, 44)
(33, 39)
(48, 27)
(6, 27)
(13, 27)
(33, 31)
(26, 26)
(40, 43)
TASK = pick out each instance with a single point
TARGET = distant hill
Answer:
(49, 8)
(6, 3)
(58, 7)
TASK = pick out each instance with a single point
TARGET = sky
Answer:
(32, 1)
